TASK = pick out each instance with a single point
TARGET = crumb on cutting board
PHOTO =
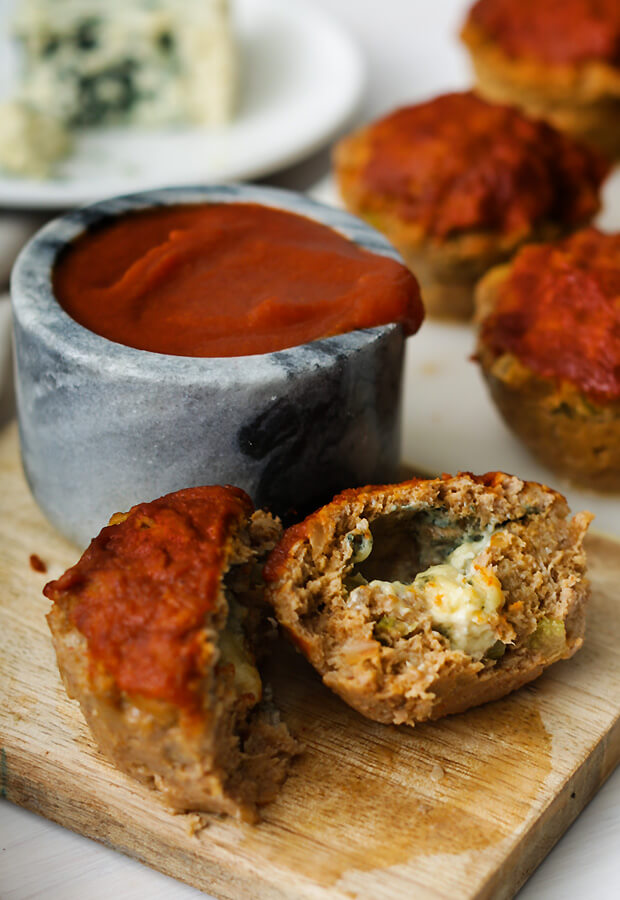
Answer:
(195, 823)
(37, 564)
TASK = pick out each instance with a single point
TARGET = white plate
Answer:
(302, 80)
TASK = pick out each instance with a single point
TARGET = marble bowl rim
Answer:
(37, 308)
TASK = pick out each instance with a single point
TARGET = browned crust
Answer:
(305, 568)
(582, 100)
(448, 269)
(569, 433)
(229, 755)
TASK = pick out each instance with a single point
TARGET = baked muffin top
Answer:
(558, 32)
(558, 312)
(459, 164)
(147, 587)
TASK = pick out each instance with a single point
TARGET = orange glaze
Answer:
(559, 312)
(144, 589)
(458, 163)
(228, 280)
(558, 32)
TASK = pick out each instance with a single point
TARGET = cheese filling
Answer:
(461, 597)
(234, 651)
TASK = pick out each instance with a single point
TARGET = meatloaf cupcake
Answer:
(425, 598)
(458, 184)
(153, 630)
(549, 348)
(558, 59)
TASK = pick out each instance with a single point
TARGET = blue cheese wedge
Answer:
(136, 62)
(31, 141)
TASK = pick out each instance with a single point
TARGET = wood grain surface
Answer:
(462, 808)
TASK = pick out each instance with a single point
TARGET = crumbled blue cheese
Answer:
(462, 598)
(31, 142)
(139, 62)
(360, 541)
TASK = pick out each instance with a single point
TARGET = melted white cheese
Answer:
(233, 652)
(461, 597)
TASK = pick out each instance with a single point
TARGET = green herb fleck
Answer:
(496, 651)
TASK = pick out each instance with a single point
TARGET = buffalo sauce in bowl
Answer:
(228, 279)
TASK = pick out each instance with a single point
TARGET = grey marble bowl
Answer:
(104, 426)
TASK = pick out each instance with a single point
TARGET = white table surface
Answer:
(412, 53)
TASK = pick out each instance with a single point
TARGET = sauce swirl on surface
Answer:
(558, 312)
(558, 32)
(228, 280)
(143, 590)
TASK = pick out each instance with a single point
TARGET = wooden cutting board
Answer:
(463, 808)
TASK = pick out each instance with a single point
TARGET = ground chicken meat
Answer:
(425, 598)
(154, 630)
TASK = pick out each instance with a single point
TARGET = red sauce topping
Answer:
(559, 312)
(559, 32)
(144, 588)
(459, 163)
(228, 280)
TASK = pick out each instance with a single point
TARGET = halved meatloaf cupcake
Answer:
(549, 349)
(154, 630)
(457, 184)
(424, 598)
(557, 59)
